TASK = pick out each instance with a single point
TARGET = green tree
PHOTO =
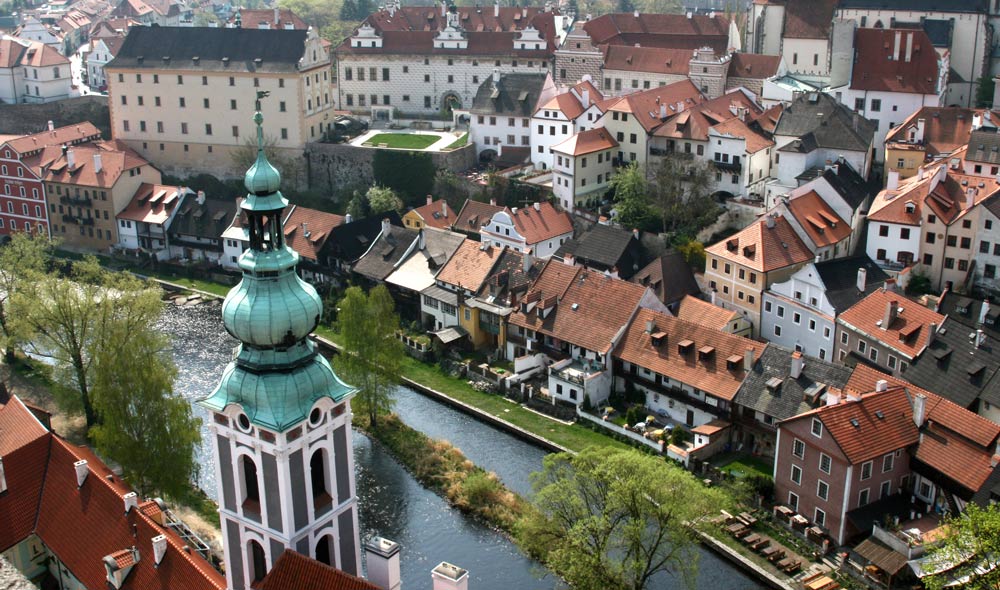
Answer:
(631, 195)
(612, 518)
(68, 319)
(348, 10)
(693, 252)
(970, 549)
(357, 207)
(984, 92)
(291, 167)
(143, 426)
(22, 260)
(382, 199)
(373, 354)
(679, 191)
(919, 284)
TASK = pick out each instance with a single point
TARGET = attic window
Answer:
(705, 352)
(732, 245)
(942, 354)
(658, 338)
(750, 250)
(879, 415)
(685, 346)
(855, 423)
(908, 331)
(910, 207)
(733, 362)
(773, 384)
(975, 368)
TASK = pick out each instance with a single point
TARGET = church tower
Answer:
(281, 418)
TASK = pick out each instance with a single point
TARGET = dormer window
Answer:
(685, 346)
(817, 428)
(910, 207)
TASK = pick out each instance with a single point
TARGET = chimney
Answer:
(636, 13)
(449, 577)
(748, 359)
(526, 260)
(770, 222)
(131, 501)
(896, 44)
(984, 311)
(909, 46)
(71, 158)
(348, 218)
(919, 135)
(980, 338)
(81, 472)
(444, 8)
(832, 398)
(159, 548)
(496, 9)
(496, 76)
(919, 402)
(712, 296)
(862, 280)
(277, 17)
(889, 285)
(892, 182)
(97, 163)
(650, 325)
(890, 314)
(444, 209)
(663, 110)
(524, 12)
(382, 556)
(493, 202)
(798, 363)
(585, 99)
(538, 206)
(385, 226)
(881, 385)
(635, 233)
(931, 333)
(430, 199)
(970, 197)
(52, 127)
(569, 259)
(421, 239)
(200, 198)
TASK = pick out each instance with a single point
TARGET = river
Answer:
(392, 503)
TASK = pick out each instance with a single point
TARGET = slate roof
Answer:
(984, 146)
(968, 310)
(953, 367)
(474, 215)
(848, 184)
(603, 247)
(789, 399)
(207, 220)
(840, 277)
(385, 252)
(349, 241)
(712, 373)
(514, 94)
(509, 280)
(670, 277)
(877, 69)
(916, 5)
(294, 571)
(908, 334)
(145, 47)
(763, 248)
(818, 120)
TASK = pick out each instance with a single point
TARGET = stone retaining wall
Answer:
(334, 166)
(19, 119)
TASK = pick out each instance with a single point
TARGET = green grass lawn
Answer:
(409, 141)
(741, 463)
(459, 142)
(201, 285)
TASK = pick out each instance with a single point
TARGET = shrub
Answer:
(634, 415)
(679, 436)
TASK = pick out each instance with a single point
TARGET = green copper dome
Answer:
(277, 375)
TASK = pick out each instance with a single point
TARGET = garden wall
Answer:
(19, 119)
(334, 166)
(655, 445)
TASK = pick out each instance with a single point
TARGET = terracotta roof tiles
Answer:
(115, 160)
(474, 215)
(432, 215)
(470, 265)
(538, 225)
(754, 65)
(907, 334)
(294, 571)
(809, 19)
(736, 128)
(306, 230)
(70, 134)
(586, 142)
(646, 104)
(647, 59)
(878, 68)
(763, 248)
(152, 203)
(703, 313)
(818, 220)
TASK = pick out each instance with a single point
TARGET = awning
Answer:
(449, 335)
(886, 559)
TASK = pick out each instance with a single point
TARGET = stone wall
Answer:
(19, 119)
(334, 166)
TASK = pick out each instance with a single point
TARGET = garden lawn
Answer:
(742, 464)
(461, 141)
(410, 141)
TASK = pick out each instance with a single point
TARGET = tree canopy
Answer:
(631, 195)
(971, 549)
(22, 260)
(612, 518)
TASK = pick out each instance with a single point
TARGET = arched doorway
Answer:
(449, 102)
(324, 550)
(722, 196)
(256, 561)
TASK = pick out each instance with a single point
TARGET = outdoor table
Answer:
(735, 527)
(747, 518)
(770, 551)
(751, 539)
(783, 563)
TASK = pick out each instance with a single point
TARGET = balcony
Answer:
(727, 166)
(677, 394)
(78, 220)
(75, 201)
(575, 371)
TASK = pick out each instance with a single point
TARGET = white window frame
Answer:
(797, 442)
(816, 517)
(816, 422)
(871, 468)
(796, 469)
(829, 463)
(888, 458)
(822, 483)
(867, 493)
(794, 505)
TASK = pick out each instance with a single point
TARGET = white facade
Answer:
(886, 241)
(987, 256)
(797, 315)
(98, 56)
(34, 30)
(25, 83)
(581, 179)
(495, 132)
(501, 232)
(550, 127)
(737, 170)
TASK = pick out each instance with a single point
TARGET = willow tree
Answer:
(22, 261)
(373, 355)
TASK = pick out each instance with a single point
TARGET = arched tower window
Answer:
(324, 550)
(251, 489)
(319, 475)
(257, 561)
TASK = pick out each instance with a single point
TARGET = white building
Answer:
(101, 52)
(501, 112)
(142, 225)
(560, 117)
(32, 72)
(799, 31)
(583, 168)
(987, 255)
(32, 29)
(540, 228)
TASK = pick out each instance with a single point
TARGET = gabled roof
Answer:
(215, 48)
(840, 278)
(953, 367)
(70, 134)
(386, 251)
(944, 192)
(819, 121)
(736, 128)
(818, 219)
(514, 94)
(655, 60)
(695, 122)
(538, 225)
(645, 105)
(570, 102)
(474, 215)
(586, 142)
(916, 5)
(590, 308)
(509, 279)
(984, 146)
(754, 65)
(349, 241)
(470, 265)
(306, 230)
(430, 18)
(763, 248)
(660, 30)
(116, 159)
(434, 249)
(153, 203)
(203, 220)
(968, 311)
(703, 313)
(908, 334)
(38, 55)
(480, 43)
(437, 214)
(792, 396)
(712, 372)
(945, 129)
(842, 177)
(808, 19)
(670, 277)
(255, 18)
(879, 68)
(294, 571)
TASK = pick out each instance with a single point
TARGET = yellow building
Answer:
(929, 134)
(436, 214)
(193, 109)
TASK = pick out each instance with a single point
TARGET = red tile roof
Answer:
(695, 122)
(70, 134)
(39, 55)
(10, 53)
(474, 215)
(603, 305)
(432, 215)
(945, 129)
(317, 224)
(809, 19)
(647, 59)
(763, 248)
(736, 128)
(907, 334)
(569, 103)
(712, 373)
(962, 461)
(820, 222)
(539, 225)
(754, 65)
(586, 142)
(24, 445)
(470, 265)
(116, 159)
(876, 67)
(152, 203)
(660, 30)
(253, 18)
(703, 313)
(294, 571)
(651, 107)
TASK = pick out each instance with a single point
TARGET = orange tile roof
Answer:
(945, 129)
(18, 426)
(703, 313)
(586, 142)
(318, 224)
(754, 65)
(645, 105)
(877, 69)
(294, 571)
(70, 134)
(39, 55)
(474, 215)
(115, 160)
(253, 18)
(964, 462)
(647, 59)
(431, 214)
(538, 225)
(152, 203)
(820, 222)
(695, 122)
(736, 128)
(470, 265)
(568, 103)
(763, 248)
(909, 332)
(603, 306)
(10, 52)
(712, 373)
